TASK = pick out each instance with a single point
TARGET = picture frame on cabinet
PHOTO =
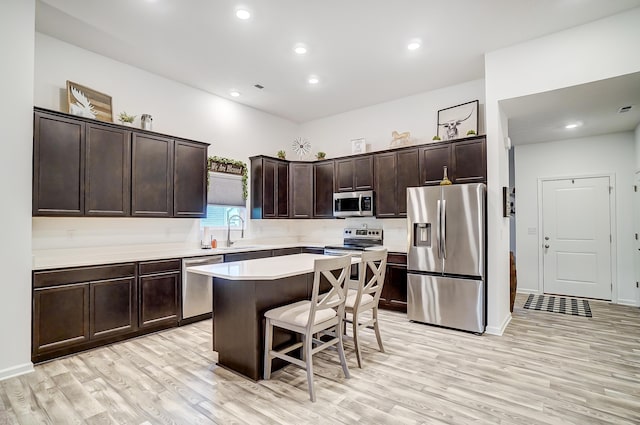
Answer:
(358, 145)
(456, 121)
(89, 103)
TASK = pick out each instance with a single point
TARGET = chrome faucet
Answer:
(229, 242)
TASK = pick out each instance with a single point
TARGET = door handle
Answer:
(546, 246)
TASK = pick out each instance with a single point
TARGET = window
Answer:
(217, 216)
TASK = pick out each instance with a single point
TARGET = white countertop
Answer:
(92, 256)
(263, 268)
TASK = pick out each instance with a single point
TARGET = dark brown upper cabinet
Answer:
(107, 171)
(189, 181)
(323, 189)
(82, 167)
(353, 174)
(395, 171)
(152, 176)
(470, 161)
(58, 166)
(433, 159)
(269, 188)
(300, 189)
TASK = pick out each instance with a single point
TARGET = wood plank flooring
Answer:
(548, 368)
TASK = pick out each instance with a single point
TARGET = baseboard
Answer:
(629, 302)
(499, 330)
(527, 291)
(16, 371)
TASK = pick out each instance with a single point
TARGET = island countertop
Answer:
(263, 268)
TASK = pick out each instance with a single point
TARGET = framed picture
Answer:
(88, 103)
(358, 146)
(456, 121)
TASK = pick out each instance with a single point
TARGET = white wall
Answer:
(232, 129)
(16, 85)
(582, 54)
(417, 114)
(598, 155)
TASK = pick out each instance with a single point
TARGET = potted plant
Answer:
(282, 154)
(471, 133)
(126, 119)
(321, 155)
(436, 137)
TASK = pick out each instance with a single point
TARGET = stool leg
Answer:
(356, 342)
(308, 347)
(343, 358)
(268, 346)
(376, 327)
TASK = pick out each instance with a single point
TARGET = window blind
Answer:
(225, 189)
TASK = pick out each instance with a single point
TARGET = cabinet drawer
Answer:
(82, 274)
(150, 267)
(394, 258)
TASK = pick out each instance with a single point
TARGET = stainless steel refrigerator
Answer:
(446, 256)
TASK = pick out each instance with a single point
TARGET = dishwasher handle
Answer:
(203, 262)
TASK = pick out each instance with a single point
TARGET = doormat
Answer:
(552, 304)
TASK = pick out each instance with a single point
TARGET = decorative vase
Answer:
(445, 178)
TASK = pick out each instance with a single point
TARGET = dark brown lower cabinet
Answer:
(79, 308)
(60, 317)
(159, 291)
(285, 251)
(394, 291)
(241, 256)
(114, 309)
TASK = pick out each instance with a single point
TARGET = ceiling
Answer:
(542, 117)
(357, 48)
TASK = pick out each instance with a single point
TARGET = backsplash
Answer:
(85, 232)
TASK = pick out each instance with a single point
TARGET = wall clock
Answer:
(301, 147)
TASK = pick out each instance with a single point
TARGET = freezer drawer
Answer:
(444, 301)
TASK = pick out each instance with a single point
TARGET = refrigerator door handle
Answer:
(439, 229)
(444, 229)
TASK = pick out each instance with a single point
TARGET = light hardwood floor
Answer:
(548, 368)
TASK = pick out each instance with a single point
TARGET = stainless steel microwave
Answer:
(353, 204)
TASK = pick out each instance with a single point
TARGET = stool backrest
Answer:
(372, 271)
(335, 271)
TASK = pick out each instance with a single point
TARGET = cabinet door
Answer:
(363, 173)
(241, 256)
(58, 166)
(282, 190)
(159, 299)
(433, 159)
(470, 161)
(107, 189)
(60, 317)
(269, 188)
(394, 291)
(113, 307)
(323, 189)
(190, 180)
(152, 176)
(385, 184)
(285, 251)
(407, 175)
(344, 175)
(257, 188)
(301, 189)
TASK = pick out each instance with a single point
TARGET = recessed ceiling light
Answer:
(573, 125)
(234, 93)
(414, 45)
(243, 14)
(313, 80)
(300, 49)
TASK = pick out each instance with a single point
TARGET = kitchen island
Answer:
(242, 292)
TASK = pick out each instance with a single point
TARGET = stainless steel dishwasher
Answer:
(197, 290)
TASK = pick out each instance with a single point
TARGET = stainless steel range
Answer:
(356, 240)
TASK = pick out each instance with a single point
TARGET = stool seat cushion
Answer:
(298, 314)
(351, 298)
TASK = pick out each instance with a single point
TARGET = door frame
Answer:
(612, 229)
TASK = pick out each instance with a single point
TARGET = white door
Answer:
(637, 234)
(576, 229)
